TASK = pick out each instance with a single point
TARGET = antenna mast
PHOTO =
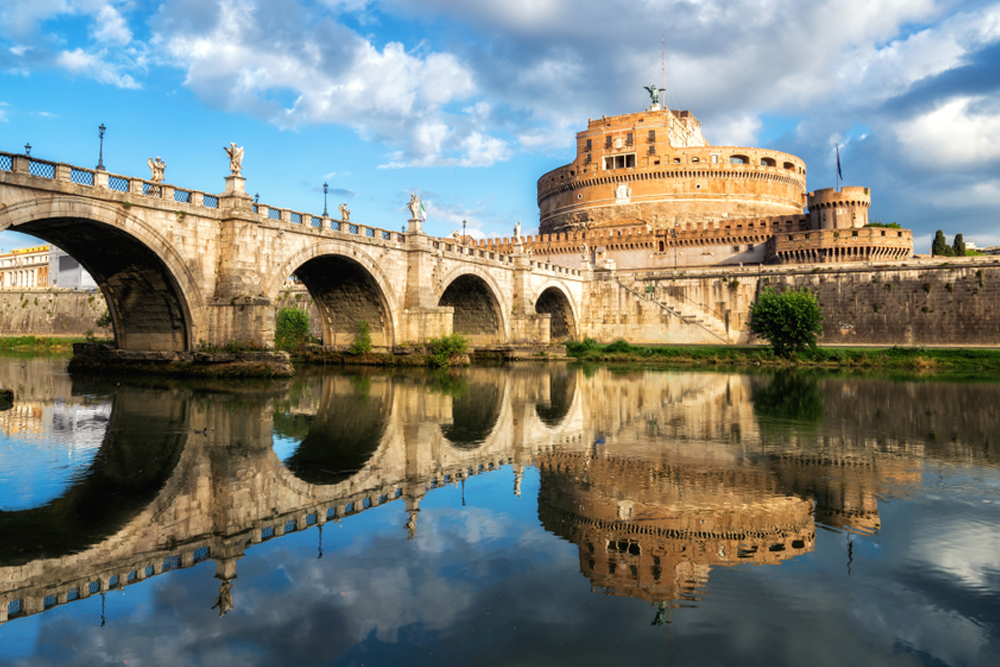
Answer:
(663, 64)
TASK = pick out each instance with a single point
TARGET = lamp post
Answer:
(100, 158)
(27, 149)
(324, 199)
(463, 232)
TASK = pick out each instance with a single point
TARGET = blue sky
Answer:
(469, 103)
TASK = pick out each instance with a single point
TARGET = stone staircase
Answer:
(707, 319)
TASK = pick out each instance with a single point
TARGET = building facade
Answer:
(646, 190)
(41, 267)
(25, 268)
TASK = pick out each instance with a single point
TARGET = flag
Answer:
(840, 174)
(423, 213)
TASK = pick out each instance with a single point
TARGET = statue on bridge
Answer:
(416, 208)
(345, 213)
(235, 154)
(517, 231)
(157, 167)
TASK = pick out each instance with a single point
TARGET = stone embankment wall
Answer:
(918, 302)
(51, 312)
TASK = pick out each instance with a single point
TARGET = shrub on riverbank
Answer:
(790, 321)
(291, 330)
(446, 349)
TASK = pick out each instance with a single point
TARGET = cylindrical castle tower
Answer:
(846, 208)
(655, 167)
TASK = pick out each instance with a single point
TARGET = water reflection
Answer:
(658, 479)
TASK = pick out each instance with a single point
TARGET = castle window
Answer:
(587, 160)
(652, 150)
(715, 159)
(768, 162)
(628, 139)
(626, 161)
(607, 141)
(739, 159)
(589, 145)
(677, 160)
(694, 159)
(652, 136)
(789, 165)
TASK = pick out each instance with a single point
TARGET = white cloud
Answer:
(330, 74)
(3, 112)
(109, 27)
(951, 135)
(93, 65)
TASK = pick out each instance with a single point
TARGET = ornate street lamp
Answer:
(100, 159)
(27, 149)
(463, 232)
(324, 199)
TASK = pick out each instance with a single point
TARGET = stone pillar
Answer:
(422, 317)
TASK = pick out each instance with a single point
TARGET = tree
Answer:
(959, 246)
(940, 246)
(788, 321)
(291, 329)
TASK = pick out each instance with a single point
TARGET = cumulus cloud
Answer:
(24, 26)
(283, 63)
(94, 65)
(110, 27)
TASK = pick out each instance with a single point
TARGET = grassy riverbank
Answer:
(915, 359)
(40, 344)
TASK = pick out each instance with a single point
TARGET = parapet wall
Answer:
(933, 303)
(844, 245)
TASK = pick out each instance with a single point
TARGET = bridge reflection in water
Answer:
(656, 477)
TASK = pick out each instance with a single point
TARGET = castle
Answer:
(646, 190)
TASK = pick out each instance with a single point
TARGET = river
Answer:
(518, 515)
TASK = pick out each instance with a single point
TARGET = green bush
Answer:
(789, 321)
(619, 347)
(362, 343)
(579, 348)
(445, 348)
(291, 329)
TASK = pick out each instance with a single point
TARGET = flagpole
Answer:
(837, 189)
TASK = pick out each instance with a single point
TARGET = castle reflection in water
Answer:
(657, 477)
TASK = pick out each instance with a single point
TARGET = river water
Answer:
(521, 515)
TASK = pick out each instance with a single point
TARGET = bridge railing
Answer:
(59, 171)
(95, 178)
(343, 226)
(555, 268)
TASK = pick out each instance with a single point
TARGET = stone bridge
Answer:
(180, 268)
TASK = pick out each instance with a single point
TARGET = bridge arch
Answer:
(554, 298)
(480, 309)
(347, 286)
(152, 296)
